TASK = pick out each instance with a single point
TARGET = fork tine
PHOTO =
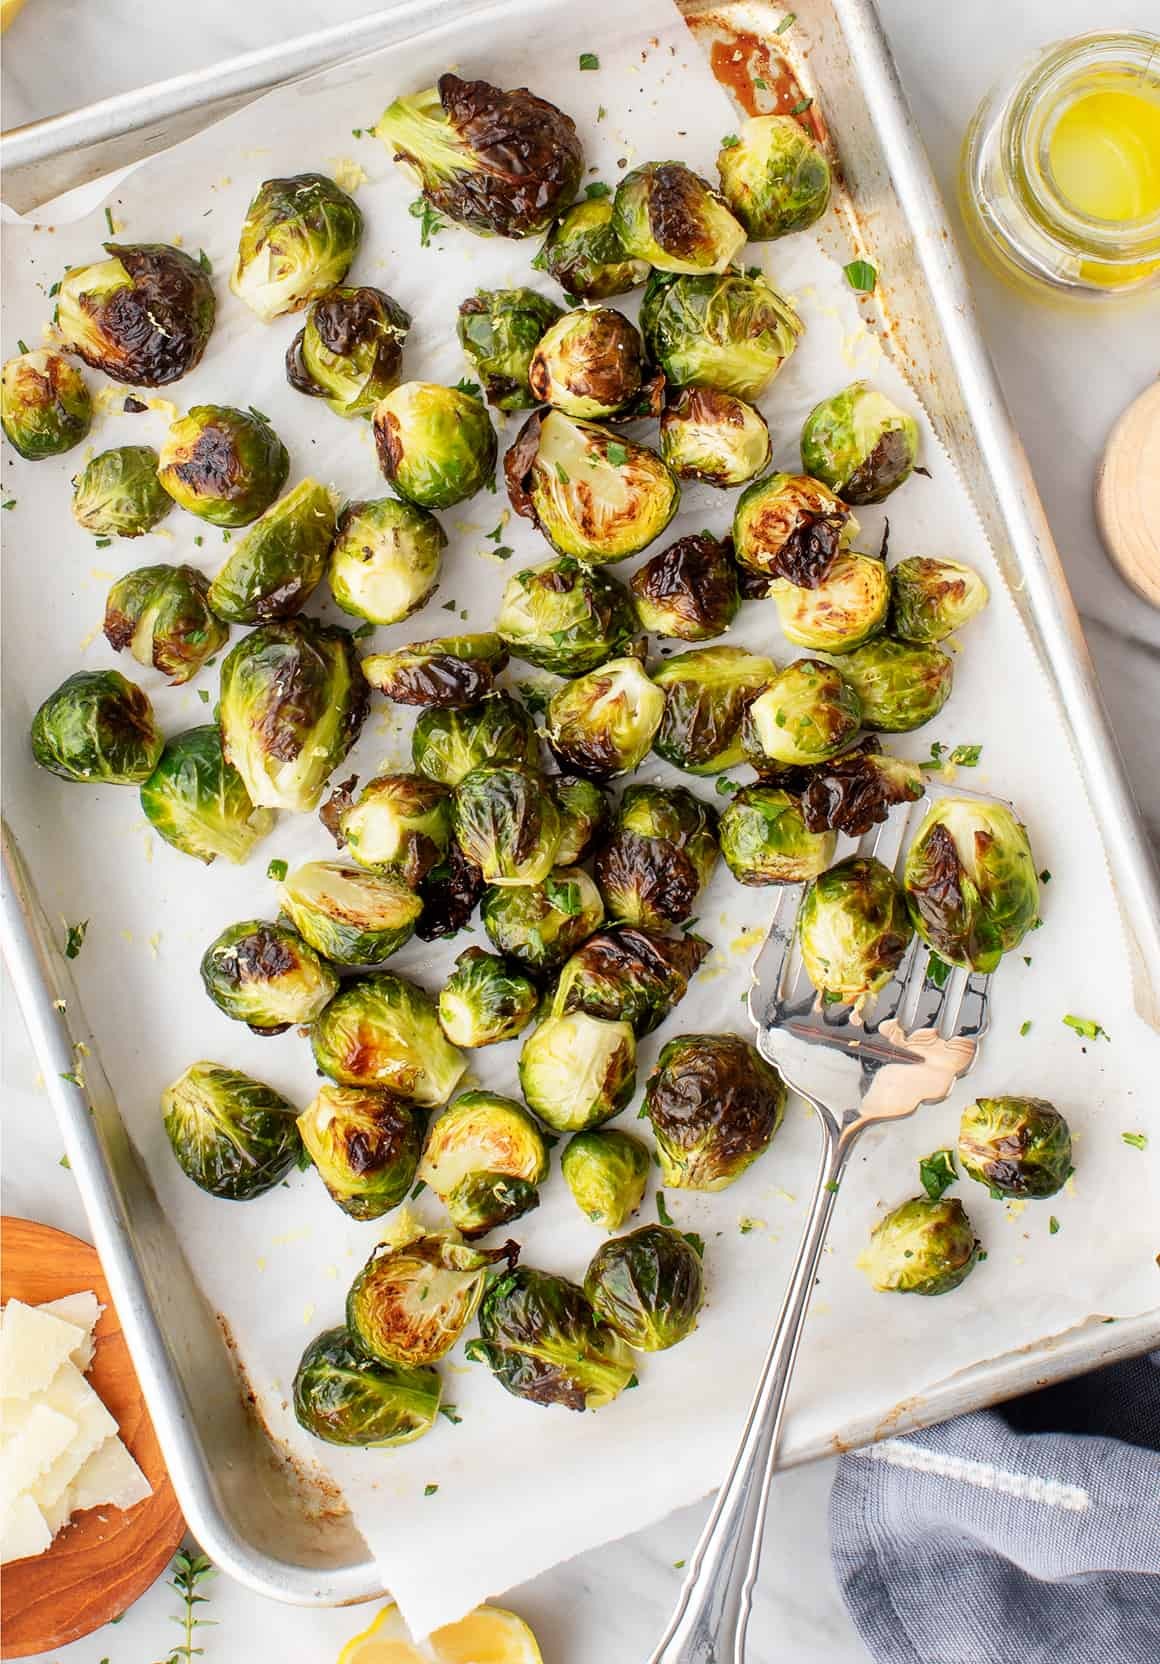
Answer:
(890, 998)
(771, 967)
(967, 1013)
(928, 992)
(885, 842)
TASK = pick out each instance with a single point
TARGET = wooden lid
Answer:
(1128, 494)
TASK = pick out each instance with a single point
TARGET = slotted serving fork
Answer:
(855, 1072)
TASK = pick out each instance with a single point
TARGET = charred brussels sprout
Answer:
(774, 178)
(351, 917)
(143, 316)
(266, 976)
(578, 1071)
(162, 614)
(731, 332)
(647, 1286)
(350, 350)
(343, 1397)
(714, 1104)
(447, 745)
(706, 698)
(922, 1247)
(790, 526)
(383, 1031)
(584, 815)
(860, 444)
(410, 1304)
(281, 560)
(845, 610)
(98, 729)
(365, 1143)
(450, 893)
(502, 164)
(971, 882)
(931, 599)
(689, 591)
(603, 723)
(668, 215)
(507, 823)
(539, 925)
(560, 616)
(764, 839)
(712, 436)
(45, 406)
(197, 802)
(484, 1158)
(484, 1001)
(384, 562)
(853, 929)
(542, 1341)
(807, 714)
(900, 684)
(119, 495)
(629, 974)
(224, 465)
(399, 824)
(1017, 1147)
(855, 791)
(660, 857)
(586, 256)
(233, 1136)
(436, 444)
(499, 330)
(450, 672)
(293, 701)
(607, 1173)
(298, 239)
(591, 363)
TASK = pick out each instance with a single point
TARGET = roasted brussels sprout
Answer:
(585, 255)
(790, 526)
(233, 1136)
(436, 444)
(764, 839)
(845, 610)
(350, 349)
(365, 1143)
(607, 1173)
(578, 1071)
(603, 723)
(162, 614)
(384, 562)
(450, 671)
(410, 1304)
(775, 178)
(560, 616)
(298, 239)
(970, 881)
(668, 215)
(118, 493)
(647, 1286)
(484, 1000)
(197, 802)
(399, 824)
(853, 792)
(900, 684)
(629, 974)
(931, 599)
(45, 405)
(343, 1397)
(143, 316)
(351, 917)
(853, 929)
(860, 444)
(712, 436)
(224, 465)
(539, 925)
(99, 729)
(484, 1158)
(584, 814)
(922, 1247)
(450, 893)
(281, 560)
(507, 824)
(689, 591)
(542, 1341)
(807, 714)
(715, 1104)
(707, 693)
(498, 331)
(1018, 1147)
(660, 857)
(293, 701)
(447, 745)
(266, 976)
(500, 163)
(590, 363)
(383, 1031)
(730, 332)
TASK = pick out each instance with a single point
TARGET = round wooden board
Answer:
(105, 1558)
(1128, 494)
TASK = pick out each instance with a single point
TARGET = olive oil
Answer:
(1104, 152)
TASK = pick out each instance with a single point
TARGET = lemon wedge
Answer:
(488, 1635)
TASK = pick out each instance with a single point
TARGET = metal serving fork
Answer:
(918, 1035)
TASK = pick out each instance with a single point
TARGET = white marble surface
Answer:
(1067, 375)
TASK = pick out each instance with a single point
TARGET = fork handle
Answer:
(708, 1626)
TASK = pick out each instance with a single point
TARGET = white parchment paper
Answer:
(520, 1487)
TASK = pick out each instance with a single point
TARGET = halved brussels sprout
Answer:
(922, 1247)
(118, 493)
(447, 745)
(266, 976)
(399, 824)
(764, 839)
(607, 1173)
(807, 714)
(484, 1001)
(931, 599)
(603, 723)
(450, 893)
(350, 349)
(45, 406)
(860, 444)
(498, 331)
(162, 614)
(436, 445)
(563, 617)
(507, 823)
(715, 1104)
(410, 1304)
(281, 560)
(143, 316)
(660, 857)
(542, 1341)
(647, 1286)
(365, 1143)
(298, 239)
(584, 814)
(586, 256)
(901, 685)
(790, 526)
(730, 332)
(1018, 1147)
(99, 729)
(593, 495)
(688, 591)
(707, 694)
(578, 1071)
(384, 562)
(712, 436)
(351, 917)
(629, 974)
(197, 802)
(853, 929)
(233, 1136)
(383, 1031)
(668, 215)
(343, 1397)
(970, 881)
(590, 363)
(539, 925)
(855, 791)
(500, 163)
(484, 1158)
(224, 465)
(774, 177)
(842, 612)
(449, 671)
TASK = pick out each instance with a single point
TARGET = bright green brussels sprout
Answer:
(807, 714)
(383, 1031)
(853, 929)
(399, 824)
(350, 916)
(563, 617)
(502, 164)
(233, 1136)
(197, 802)
(281, 560)
(931, 599)
(578, 1071)
(343, 1397)
(586, 257)
(660, 857)
(970, 881)
(162, 614)
(647, 1286)
(922, 1247)
(484, 1001)
(385, 560)
(45, 406)
(266, 976)
(712, 436)
(900, 684)
(143, 316)
(365, 1143)
(790, 526)
(484, 1158)
(584, 815)
(688, 591)
(447, 745)
(224, 465)
(774, 177)
(1018, 1147)
(607, 1172)
(539, 925)
(350, 349)
(293, 701)
(450, 671)
(436, 444)
(99, 729)
(715, 1104)
(845, 610)
(629, 974)
(860, 444)
(410, 1304)
(668, 215)
(118, 493)
(764, 840)
(542, 1341)
(730, 332)
(498, 331)
(594, 495)
(603, 723)
(507, 823)
(590, 363)
(707, 693)
(298, 239)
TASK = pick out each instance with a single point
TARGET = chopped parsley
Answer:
(365, 629)
(430, 223)
(23, 345)
(259, 415)
(562, 473)
(74, 939)
(73, 1077)
(1053, 1225)
(937, 1172)
(503, 551)
(9, 502)
(787, 22)
(937, 970)
(102, 542)
(1045, 876)
(565, 896)
(860, 274)
(1086, 1027)
(617, 453)
(109, 221)
(1138, 1140)
(663, 1213)
(471, 388)
(601, 112)
(726, 787)
(54, 290)
(800, 109)
(420, 1187)
(277, 870)
(533, 697)
(429, 1490)
(203, 260)
(203, 695)
(967, 756)
(730, 141)
(451, 1413)
(1025, 1029)
(589, 60)
(597, 189)
(65, 1163)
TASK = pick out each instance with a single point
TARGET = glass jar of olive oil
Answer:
(1060, 183)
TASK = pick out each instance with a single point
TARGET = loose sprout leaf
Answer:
(363, 631)
(937, 1172)
(1053, 1225)
(260, 415)
(597, 189)
(1087, 1027)
(937, 970)
(967, 756)
(277, 870)
(663, 1213)
(1138, 1140)
(74, 939)
(589, 60)
(787, 22)
(860, 274)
